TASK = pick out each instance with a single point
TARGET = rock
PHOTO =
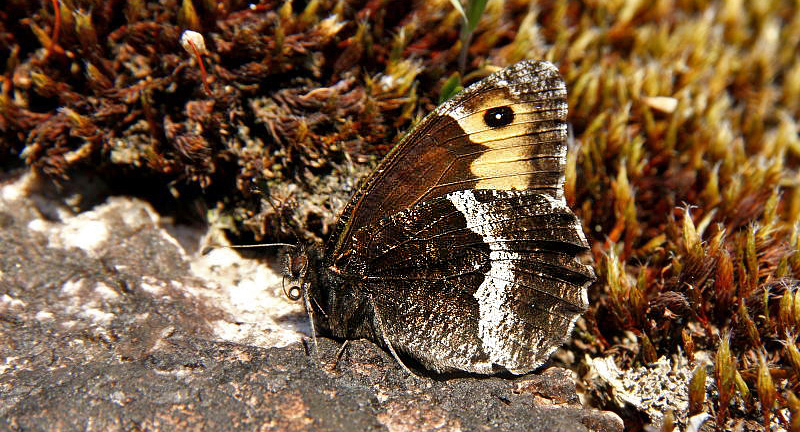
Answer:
(651, 390)
(110, 319)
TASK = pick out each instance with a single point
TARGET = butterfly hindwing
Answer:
(488, 274)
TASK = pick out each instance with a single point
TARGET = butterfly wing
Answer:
(481, 280)
(454, 149)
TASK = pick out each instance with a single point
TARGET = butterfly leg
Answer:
(386, 338)
(310, 312)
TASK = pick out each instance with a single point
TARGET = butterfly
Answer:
(459, 250)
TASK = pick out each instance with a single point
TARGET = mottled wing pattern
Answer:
(454, 149)
(461, 239)
(481, 280)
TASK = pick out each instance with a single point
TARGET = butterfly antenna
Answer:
(208, 249)
(386, 338)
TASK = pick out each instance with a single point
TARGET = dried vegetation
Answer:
(685, 115)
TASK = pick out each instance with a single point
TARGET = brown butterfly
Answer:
(459, 250)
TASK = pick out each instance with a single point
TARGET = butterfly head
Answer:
(301, 270)
(298, 273)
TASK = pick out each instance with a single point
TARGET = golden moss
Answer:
(685, 115)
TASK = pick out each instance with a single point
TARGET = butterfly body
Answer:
(459, 249)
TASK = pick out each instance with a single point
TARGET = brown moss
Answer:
(684, 114)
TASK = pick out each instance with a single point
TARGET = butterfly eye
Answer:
(499, 116)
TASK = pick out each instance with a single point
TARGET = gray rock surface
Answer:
(111, 320)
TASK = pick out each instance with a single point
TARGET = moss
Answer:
(685, 170)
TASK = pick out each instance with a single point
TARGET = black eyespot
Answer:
(498, 116)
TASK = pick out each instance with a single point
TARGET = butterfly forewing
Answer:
(454, 149)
